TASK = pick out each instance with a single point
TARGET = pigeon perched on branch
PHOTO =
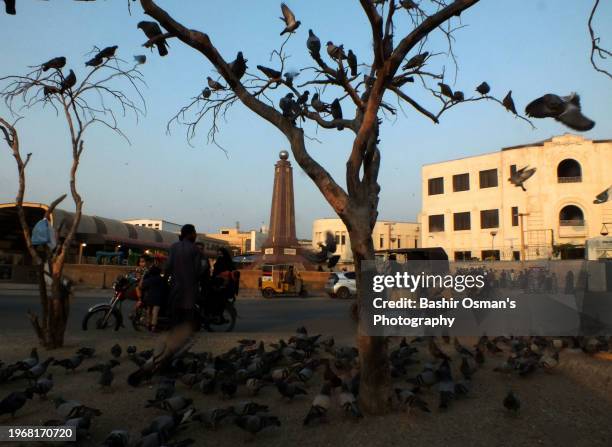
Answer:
(416, 61)
(483, 88)
(56, 63)
(313, 43)
(508, 103)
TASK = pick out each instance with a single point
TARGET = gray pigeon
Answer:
(43, 386)
(446, 90)
(565, 109)
(416, 61)
(151, 30)
(254, 424)
(117, 438)
(352, 62)
(520, 176)
(238, 66)
(319, 105)
(56, 62)
(214, 84)
(335, 52)
(14, 401)
(604, 196)
(270, 72)
(70, 364)
(313, 43)
(320, 405)
(172, 404)
(140, 59)
(289, 18)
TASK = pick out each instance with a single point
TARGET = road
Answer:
(255, 315)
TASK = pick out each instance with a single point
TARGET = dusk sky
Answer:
(530, 46)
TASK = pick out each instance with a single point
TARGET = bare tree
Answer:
(367, 95)
(97, 99)
(598, 53)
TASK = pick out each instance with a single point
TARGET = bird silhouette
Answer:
(291, 24)
(565, 109)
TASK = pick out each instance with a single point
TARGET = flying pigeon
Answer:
(509, 103)
(9, 7)
(313, 43)
(603, 197)
(140, 58)
(565, 109)
(326, 253)
(151, 30)
(446, 90)
(483, 88)
(214, 84)
(238, 66)
(270, 72)
(416, 61)
(289, 18)
(520, 176)
(352, 62)
(56, 62)
(335, 52)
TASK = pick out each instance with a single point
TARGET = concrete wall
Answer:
(103, 276)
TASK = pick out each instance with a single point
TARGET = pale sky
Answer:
(530, 46)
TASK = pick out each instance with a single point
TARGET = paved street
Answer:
(255, 315)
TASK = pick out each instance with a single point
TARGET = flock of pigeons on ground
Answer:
(290, 369)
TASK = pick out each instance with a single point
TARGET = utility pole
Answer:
(522, 234)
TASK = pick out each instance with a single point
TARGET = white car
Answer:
(341, 285)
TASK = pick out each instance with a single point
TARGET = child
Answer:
(154, 289)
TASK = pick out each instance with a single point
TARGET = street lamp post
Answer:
(520, 215)
(81, 247)
(493, 234)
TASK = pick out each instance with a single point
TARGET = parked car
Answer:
(341, 285)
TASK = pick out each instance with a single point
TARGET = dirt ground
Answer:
(569, 407)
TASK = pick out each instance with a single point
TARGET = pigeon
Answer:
(255, 424)
(446, 90)
(106, 378)
(336, 112)
(37, 370)
(289, 390)
(351, 59)
(238, 66)
(68, 82)
(172, 404)
(117, 438)
(14, 401)
(458, 96)
(313, 43)
(520, 176)
(466, 368)
(398, 81)
(511, 402)
(211, 418)
(565, 109)
(29, 362)
(164, 425)
(436, 352)
(101, 366)
(327, 249)
(290, 76)
(214, 84)
(165, 389)
(55, 63)
(416, 61)
(86, 352)
(509, 103)
(249, 408)
(603, 196)
(287, 105)
(108, 52)
(319, 105)
(269, 72)
(409, 399)
(408, 4)
(427, 377)
(483, 88)
(72, 409)
(95, 61)
(254, 385)
(348, 402)
(140, 58)
(289, 18)
(151, 30)
(9, 7)
(335, 52)
(320, 405)
(43, 386)
(303, 98)
(446, 389)
(116, 351)
(206, 92)
(71, 363)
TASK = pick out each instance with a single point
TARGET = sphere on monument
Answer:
(283, 155)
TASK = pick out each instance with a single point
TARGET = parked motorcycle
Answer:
(109, 315)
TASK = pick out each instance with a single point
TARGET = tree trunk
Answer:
(375, 376)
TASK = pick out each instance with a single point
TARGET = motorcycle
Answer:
(109, 315)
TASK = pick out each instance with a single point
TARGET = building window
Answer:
(571, 216)
(489, 219)
(512, 170)
(435, 186)
(516, 255)
(488, 178)
(436, 223)
(224, 231)
(461, 221)
(343, 239)
(461, 182)
(465, 255)
(381, 240)
(490, 255)
(399, 242)
(337, 237)
(569, 171)
(515, 216)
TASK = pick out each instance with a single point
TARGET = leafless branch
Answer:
(596, 50)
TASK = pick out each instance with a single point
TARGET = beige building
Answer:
(471, 209)
(156, 224)
(386, 234)
(241, 242)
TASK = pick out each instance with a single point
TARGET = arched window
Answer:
(571, 215)
(569, 171)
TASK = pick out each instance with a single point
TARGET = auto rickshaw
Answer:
(281, 280)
